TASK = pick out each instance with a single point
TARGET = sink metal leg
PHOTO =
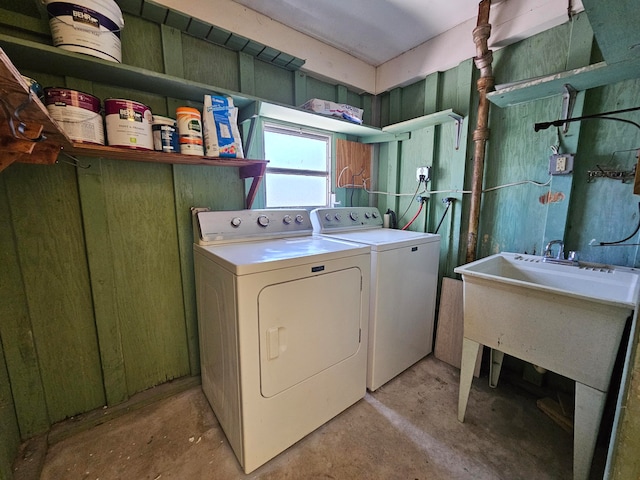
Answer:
(588, 413)
(470, 351)
(495, 366)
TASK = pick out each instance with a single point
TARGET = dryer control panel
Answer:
(211, 227)
(327, 220)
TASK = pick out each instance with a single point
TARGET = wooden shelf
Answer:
(247, 168)
(31, 120)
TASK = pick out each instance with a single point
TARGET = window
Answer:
(298, 172)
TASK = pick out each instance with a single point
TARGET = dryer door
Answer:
(306, 326)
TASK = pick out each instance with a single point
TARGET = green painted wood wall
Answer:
(97, 282)
(97, 287)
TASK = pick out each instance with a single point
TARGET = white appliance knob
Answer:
(263, 220)
(367, 215)
(299, 218)
(374, 214)
(354, 216)
(338, 217)
(235, 222)
(327, 217)
(287, 219)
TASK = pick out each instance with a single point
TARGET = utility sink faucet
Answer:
(548, 250)
(559, 257)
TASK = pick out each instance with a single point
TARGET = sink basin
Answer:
(567, 319)
(596, 283)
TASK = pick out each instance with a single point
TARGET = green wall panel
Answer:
(319, 89)
(210, 64)
(146, 265)
(607, 210)
(413, 100)
(274, 83)
(16, 331)
(45, 212)
(513, 218)
(141, 44)
(216, 188)
(10, 438)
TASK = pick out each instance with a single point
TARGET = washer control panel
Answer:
(237, 225)
(349, 218)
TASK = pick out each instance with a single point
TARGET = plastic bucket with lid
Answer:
(128, 124)
(91, 27)
(78, 114)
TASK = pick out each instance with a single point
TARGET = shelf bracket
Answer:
(257, 172)
(458, 120)
(568, 101)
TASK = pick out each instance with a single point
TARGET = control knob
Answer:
(263, 220)
(236, 221)
(367, 215)
(287, 219)
(299, 219)
(374, 214)
(354, 216)
(327, 217)
(338, 217)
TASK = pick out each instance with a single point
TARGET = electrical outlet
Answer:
(425, 172)
(560, 164)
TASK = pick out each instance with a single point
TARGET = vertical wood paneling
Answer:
(247, 73)
(45, 211)
(300, 88)
(10, 437)
(274, 83)
(460, 99)
(607, 209)
(514, 218)
(197, 186)
(103, 280)
(146, 265)
(141, 45)
(210, 64)
(16, 332)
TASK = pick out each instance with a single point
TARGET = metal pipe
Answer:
(485, 84)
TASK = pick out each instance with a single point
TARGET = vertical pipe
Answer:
(485, 84)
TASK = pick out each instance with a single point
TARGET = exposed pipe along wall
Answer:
(485, 84)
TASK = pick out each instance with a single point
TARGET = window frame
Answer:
(305, 132)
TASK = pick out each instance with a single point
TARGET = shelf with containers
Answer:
(55, 61)
(29, 134)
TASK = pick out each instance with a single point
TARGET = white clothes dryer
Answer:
(283, 326)
(404, 282)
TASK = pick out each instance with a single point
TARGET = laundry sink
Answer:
(593, 282)
(565, 318)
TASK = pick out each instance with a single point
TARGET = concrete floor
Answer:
(407, 429)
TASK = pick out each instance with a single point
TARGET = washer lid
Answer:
(381, 239)
(260, 256)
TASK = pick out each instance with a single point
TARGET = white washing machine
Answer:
(404, 282)
(283, 325)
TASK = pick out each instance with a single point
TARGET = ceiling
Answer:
(374, 31)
